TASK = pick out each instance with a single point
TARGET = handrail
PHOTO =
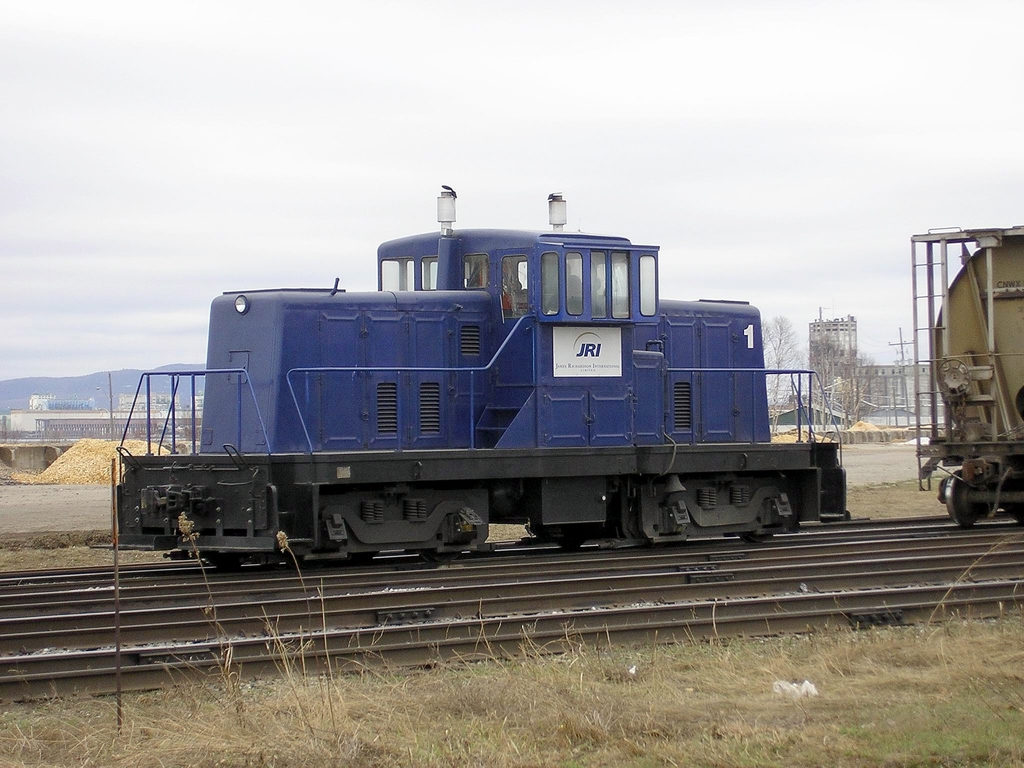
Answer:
(146, 378)
(473, 370)
(799, 372)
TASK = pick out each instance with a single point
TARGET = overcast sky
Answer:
(155, 155)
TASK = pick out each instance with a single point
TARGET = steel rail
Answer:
(455, 597)
(14, 583)
(40, 675)
(190, 623)
(62, 598)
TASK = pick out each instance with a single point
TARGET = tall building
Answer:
(832, 343)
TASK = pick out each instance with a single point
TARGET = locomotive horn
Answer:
(556, 211)
(446, 209)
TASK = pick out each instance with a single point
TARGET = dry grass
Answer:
(946, 695)
(934, 695)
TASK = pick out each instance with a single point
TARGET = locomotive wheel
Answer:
(963, 512)
(753, 537)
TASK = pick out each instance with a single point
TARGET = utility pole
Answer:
(110, 391)
(903, 374)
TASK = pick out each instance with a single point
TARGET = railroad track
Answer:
(56, 632)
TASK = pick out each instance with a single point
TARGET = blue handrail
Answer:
(146, 378)
(472, 371)
(799, 373)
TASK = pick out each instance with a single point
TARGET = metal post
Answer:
(117, 593)
(991, 319)
(110, 391)
(799, 405)
(149, 416)
(239, 399)
(173, 409)
(933, 404)
(193, 430)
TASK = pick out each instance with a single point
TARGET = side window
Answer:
(475, 270)
(549, 283)
(620, 284)
(514, 281)
(598, 280)
(574, 283)
(397, 275)
(428, 273)
(648, 286)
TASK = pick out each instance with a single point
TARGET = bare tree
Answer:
(845, 376)
(781, 351)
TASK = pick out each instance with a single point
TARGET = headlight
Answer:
(241, 305)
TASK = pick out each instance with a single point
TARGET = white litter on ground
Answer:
(796, 690)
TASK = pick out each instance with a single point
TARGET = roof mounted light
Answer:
(446, 209)
(556, 211)
(241, 304)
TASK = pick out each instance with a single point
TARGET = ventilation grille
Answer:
(682, 410)
(430, 408)
(469, 339)
(387, 408)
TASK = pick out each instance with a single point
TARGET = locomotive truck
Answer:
(495, 376)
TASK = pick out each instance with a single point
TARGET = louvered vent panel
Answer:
(430, 408)
(682, 410)
(469, 339)
(387, 408)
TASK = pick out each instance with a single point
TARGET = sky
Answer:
(154, 155)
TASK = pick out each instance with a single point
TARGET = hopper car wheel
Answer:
(963, 512)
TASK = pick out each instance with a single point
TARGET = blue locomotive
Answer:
(496, 376)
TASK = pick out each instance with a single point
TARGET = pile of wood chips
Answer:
(864, 426)
(87, 462)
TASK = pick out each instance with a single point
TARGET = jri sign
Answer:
(592, 351)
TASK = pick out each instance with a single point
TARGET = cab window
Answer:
(397, 275)
(648, 286)
(428, 273)
(475, 270)
(549, 288)
(620, 284)
(598, 280)
(574, 283)
(514, 276)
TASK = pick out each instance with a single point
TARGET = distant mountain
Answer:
(14, 393)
